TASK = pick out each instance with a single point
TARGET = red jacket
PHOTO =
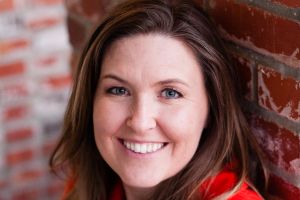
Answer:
(223, 182)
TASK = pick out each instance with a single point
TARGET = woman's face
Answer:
(150, 108)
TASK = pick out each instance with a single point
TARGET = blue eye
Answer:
(169, 93)
(118, 91)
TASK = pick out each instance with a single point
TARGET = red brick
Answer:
(279, 145)
(279, 93)
(15, 90)
(15, 112)
(60, 81)
(44, 23)
(253, 26)
(10, 45)
(90, 9)
(77, 38)
(46, 2)
(26, 194)
(19, 134)
(28, 175)
(290, 3)
(19, 156)
(6, 5)
(282, 189)
(47, 61)
(245, 76)
(11, 69)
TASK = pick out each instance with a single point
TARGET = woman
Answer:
(153, 112)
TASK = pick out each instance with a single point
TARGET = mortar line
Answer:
(275, 8)
(269, 61)
(272, 116)
(291, 178)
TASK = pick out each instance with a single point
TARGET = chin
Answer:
(141, 183)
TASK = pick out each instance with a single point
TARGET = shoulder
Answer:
(225, 181)
(246, 193)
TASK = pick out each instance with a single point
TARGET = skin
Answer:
(151, 89)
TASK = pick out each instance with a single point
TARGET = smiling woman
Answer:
(154, 112)
(158, 109)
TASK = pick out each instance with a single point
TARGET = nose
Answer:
(142, 116)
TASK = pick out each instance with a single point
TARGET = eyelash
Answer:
(121, 91)
(178, 94)
(114, 91)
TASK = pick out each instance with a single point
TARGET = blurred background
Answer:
(40, 44)
(35, 80)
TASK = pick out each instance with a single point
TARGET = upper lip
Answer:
(141, 141)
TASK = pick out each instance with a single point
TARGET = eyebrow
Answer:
(164, 82)
(112, 76)
(173, 80)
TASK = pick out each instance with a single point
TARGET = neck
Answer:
(136, 193)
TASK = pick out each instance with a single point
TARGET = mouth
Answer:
(143, 148)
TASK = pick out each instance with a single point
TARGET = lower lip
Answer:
(140, 155)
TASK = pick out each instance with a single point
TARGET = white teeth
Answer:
(137, 148)
(154, 147)
(149, 148)
(143, 148)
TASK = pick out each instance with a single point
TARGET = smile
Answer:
(143, 147)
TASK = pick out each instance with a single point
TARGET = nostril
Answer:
(129, 122)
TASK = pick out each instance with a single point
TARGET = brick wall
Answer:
(34, 86)
(264, 38)
(84, 15)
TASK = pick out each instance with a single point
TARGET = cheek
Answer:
(107, 118)
(184, 129)
(183, 124)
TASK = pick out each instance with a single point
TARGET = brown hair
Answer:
(226, 137)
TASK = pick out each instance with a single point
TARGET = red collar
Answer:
(221, 183)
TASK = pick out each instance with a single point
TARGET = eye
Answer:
(118, 91)
(170, 93)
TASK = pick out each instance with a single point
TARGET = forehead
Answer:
(150, 51)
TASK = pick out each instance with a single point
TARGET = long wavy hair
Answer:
(226, 138)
